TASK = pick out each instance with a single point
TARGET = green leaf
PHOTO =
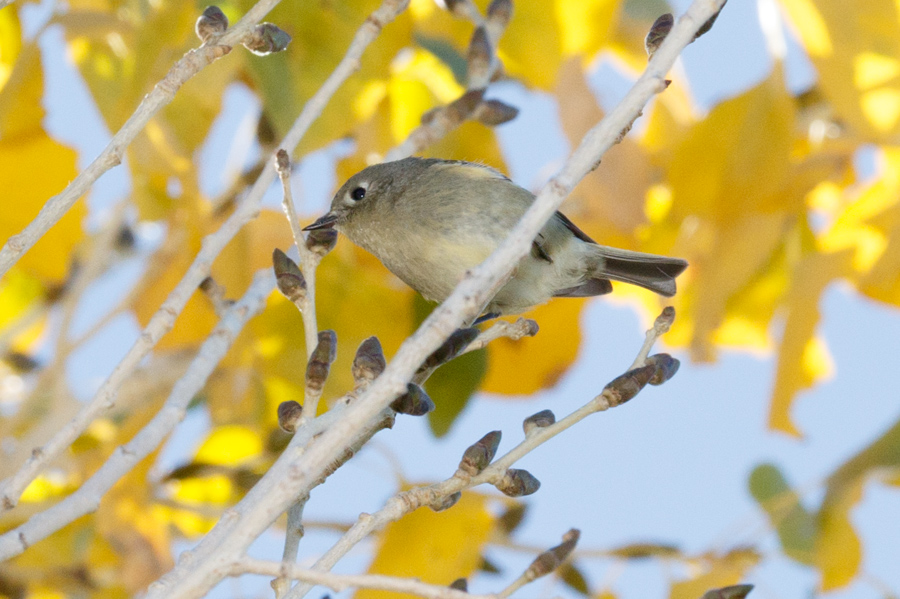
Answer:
(795, 525)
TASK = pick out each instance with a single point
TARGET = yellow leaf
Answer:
(838, 548)
(35, 167)
(419, 81)
(810, 25)
(434, 547)
(802, 358)
(744, 147)
(21, 81)
(585, 24)
(19, 293)
(528, 365)
(230, 446)
(722, 571)
(531, 48)
(608, 204)
(856, 54)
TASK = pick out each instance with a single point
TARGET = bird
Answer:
(430, 220)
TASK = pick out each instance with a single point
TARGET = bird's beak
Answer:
(325, 222)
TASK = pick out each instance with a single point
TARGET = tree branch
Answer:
(161, 95)
(163, 320)
(87, 497)
(298, 469)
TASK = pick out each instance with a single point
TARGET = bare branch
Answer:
(301, 466)
(163, 320)
(339, 582)
(87, 497)
(161, 95)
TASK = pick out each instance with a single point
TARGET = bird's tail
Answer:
(656, 273)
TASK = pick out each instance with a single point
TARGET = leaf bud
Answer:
(706, 27)
(499, 12)
(267, 38)
(289, 413)
(283, 162)
(477, 457)
(320, 361)
(658, 32)
(321, 242)
(446, 502)
(414, 402)
(518, 483)
(479, 59)
(664, 321)
(369, 361)
(495, 112)
(451, 348)
(564, 549)
(288, 277)
(459, 109)
(212, 22)
(625, 386)
(459, 8)
(737, 591)
(551, 559)
(666, 367)
(542, 419)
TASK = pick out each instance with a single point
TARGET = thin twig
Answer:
(304, 463)
(160, 96)
(163, 320)
(522, 327)
(408, 501)
(339, 582)
(87, 497)
(308, 260)
(482, 66)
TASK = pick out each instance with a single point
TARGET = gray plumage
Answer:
(429, 221)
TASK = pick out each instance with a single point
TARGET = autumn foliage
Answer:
(762, 194)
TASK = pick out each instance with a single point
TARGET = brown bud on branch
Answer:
(479, 59)
(288, 277)
(451, 348)
(289, 413)
(737, 591)
(478, 456)
(212, 22)
(460, 584)
(518, 483)
(267, 38)
(495, 112)
(321, 242)
(625, 386)
(369, 361)
(664, 321)
(658, 32)
(414, 402)
(283, 163)
(499, 12)
(666, 367)
(551, 559)
(708, 25)
(320, 362)
(446, 502)
(542, 419)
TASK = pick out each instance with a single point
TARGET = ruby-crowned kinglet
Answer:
(429, 221)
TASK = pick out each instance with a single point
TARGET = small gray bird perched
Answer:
(430, 220)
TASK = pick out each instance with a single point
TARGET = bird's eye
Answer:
(358, 193)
